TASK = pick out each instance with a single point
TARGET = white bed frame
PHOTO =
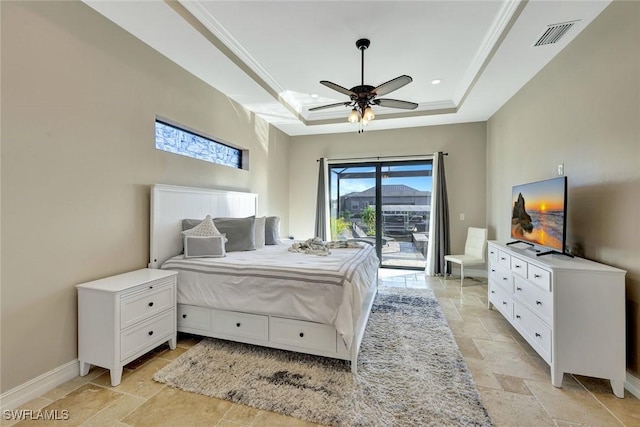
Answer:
(169, 206)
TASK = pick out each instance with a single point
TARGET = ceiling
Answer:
(269, 56)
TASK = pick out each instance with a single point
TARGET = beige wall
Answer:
(582, 110)
(79, 99)
(464, 167)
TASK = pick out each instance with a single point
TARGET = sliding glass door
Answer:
(385, 204)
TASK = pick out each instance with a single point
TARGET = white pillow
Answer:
(259, 231)
(205, 229)
(204, 246)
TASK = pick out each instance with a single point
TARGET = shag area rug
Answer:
(410, 373)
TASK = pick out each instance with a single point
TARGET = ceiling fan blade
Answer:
(395, 103)
(392, 85)
(337, 104)
(337, 87)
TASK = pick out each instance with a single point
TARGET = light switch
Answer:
(461, 217)
(561, 169)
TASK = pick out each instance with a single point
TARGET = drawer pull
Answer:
(493, 270)
(518, 289)
(504, 302)
(150, 333)
(491, 252)
(518, 266)
(150, 287)
(238, 325)
(151, 304)
(493, 292)
(538, 302)
(518, 316)
(538, 335)
(301, 334)
(184, 316)
(503, 259)
(536, 276)
(505, 278)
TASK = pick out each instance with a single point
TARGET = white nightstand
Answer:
(122, 317)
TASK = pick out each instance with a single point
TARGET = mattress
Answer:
(273, 281)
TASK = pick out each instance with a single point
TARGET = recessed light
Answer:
(436, 81)
(314, 95)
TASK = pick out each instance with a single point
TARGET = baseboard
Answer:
(632, 385)
(39, 385)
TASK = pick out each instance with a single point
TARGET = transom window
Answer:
(176, 140)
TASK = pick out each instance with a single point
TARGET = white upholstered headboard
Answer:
(171, 204)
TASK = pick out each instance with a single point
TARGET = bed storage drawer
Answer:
(303, 334)
(190, 316)
(238, 324)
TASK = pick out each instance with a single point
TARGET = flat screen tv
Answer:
(538, 213)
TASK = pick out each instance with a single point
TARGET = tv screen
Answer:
(538, 214)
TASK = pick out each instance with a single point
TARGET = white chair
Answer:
(475, 250)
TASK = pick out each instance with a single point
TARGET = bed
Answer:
(270, 297)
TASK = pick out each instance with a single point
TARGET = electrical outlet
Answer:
(461, 217)
(561, 169)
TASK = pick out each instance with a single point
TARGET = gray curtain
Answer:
(322, 206)
(439, 227)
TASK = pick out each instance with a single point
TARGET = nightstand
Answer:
(122, 317)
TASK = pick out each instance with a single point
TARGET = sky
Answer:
(421, 183)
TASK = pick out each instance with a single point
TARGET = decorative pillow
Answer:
(272, 230)
(204, 246)
(240, 233)
(205, 228)
(259, 231)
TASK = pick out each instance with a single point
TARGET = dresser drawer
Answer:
(492, 254)
(252, 326)
(504, 260)
(519, 266)
(537, 333)
(501, 300)
(145, 303)
(140, 337)
(539, 277)
(190, 316)
(301, 333)
(501, 277)
(537, 299)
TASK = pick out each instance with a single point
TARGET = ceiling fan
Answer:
(363, 97)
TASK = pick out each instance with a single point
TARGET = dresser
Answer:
(570, 310)
(122, 317)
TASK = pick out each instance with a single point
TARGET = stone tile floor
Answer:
(513, 381)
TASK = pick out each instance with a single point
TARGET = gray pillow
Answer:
(204, 246)
(271, 230)
(260, 227)
(188, 224)
(240, 233)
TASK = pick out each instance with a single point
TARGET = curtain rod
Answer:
(382, 157)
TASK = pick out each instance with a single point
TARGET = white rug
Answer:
(410, 373)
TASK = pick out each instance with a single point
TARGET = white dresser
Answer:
(571, 310)
(122, 317)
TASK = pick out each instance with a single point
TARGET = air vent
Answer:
(553, 33)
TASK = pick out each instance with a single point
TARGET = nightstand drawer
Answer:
(304, 334)
(143, 305)
(140, 337)
(253, 326)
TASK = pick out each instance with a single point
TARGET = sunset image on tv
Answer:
(538, 213)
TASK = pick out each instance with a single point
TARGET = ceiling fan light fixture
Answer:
(368, 114)
(354, 116)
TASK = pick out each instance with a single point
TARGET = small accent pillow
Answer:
(204, 246)
(272, 230)
(206, 228)
(240, 233)
(260, 227)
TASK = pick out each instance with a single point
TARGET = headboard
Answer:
(170, 204)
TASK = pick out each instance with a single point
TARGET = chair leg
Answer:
(461, 274)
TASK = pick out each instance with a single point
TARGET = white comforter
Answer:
(325, 289)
